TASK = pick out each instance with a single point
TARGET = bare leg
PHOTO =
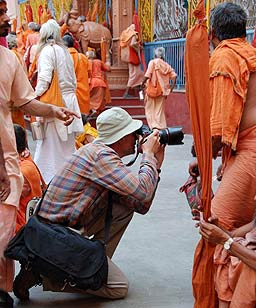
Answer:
(126, 93)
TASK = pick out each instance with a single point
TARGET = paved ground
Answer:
(156, 252)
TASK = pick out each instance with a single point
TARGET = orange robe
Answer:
(25, 35)
(234, 204)
(197, 78)
(158, 71)
(130, 54)
(32, 39)
(17, 114)
(32, 178)
(239, 279)
(230, 66)
(81, 70)
(98, 85)
(20, 41)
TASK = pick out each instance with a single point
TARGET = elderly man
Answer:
(130, 53)
(78, 194)
(14, 87)
(158, 77)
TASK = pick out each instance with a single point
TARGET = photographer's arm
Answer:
(135, 191)
(153, 148)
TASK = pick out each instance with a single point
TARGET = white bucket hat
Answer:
(115, 123)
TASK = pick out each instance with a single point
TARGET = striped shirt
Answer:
(83, 183)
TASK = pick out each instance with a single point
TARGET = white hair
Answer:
(159, 52)
(12, 41)
(49, 33)
(90, 54)
(32, 25)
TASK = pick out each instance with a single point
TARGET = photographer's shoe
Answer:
(23, 282)
(6, 300)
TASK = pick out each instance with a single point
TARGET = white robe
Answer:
(59, 142)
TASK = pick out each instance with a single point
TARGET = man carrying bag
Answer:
(78, 195)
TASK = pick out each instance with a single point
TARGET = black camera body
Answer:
(170, 135)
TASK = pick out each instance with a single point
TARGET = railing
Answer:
(174, 55)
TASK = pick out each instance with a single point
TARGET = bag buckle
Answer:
(71, 283)
(65, 284)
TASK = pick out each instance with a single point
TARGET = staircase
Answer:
(133, 105)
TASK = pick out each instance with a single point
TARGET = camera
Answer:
(170, 135)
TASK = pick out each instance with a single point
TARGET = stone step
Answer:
(120, 92)
(126, 101)
(134, 107)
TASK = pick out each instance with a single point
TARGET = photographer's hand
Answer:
(151, 144)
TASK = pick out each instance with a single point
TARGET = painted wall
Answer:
(177, 112)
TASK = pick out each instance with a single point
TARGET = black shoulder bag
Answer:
(60, 254)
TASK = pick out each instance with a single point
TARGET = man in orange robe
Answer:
(233, 129)
(27, 31)
(98, 82)
(130, 53)
(33, 181)
(81, 70)
(17, 114)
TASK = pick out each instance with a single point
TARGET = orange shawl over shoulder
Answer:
(33, 178)
(230, 66)
(126, 36)
(82, 90)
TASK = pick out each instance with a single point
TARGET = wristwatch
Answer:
(228, 243)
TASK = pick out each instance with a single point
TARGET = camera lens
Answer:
(171, 135)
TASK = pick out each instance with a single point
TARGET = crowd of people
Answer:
(43, 53)
(80, 181)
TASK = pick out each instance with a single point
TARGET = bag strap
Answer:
(41, 200)
(108, 217)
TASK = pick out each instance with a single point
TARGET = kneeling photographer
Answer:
(78, 196)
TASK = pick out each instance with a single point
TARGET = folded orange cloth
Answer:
(126, 35)
(230, 269)
(32, 178)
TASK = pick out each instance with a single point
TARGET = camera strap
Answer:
(133, 160)
(138, 151)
